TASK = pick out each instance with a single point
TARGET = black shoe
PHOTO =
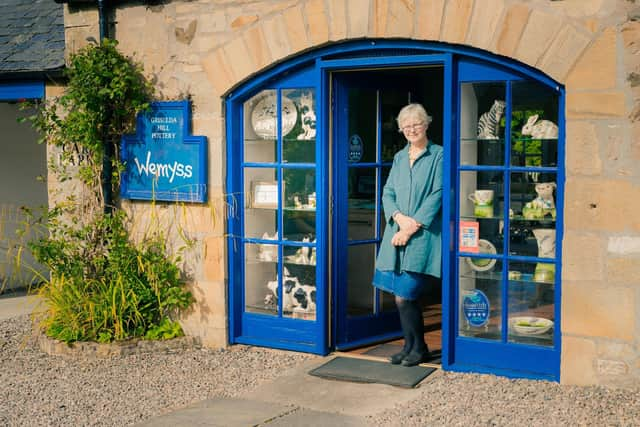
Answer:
(397, 358)
(414, 359)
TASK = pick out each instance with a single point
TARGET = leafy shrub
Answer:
(102, 286)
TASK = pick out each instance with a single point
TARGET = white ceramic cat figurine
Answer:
(307, 117)
(268, 253)
(302, 254)
(540, 129)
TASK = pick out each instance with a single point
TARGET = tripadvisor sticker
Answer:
(475, 306)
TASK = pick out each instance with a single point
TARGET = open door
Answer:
(365, 139)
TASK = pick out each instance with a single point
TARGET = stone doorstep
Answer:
(94, 350)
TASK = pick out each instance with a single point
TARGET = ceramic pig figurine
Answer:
(543, 129)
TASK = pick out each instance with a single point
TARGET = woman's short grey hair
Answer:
(413, 110)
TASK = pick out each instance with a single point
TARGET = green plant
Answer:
(105, 91)
(103, 286)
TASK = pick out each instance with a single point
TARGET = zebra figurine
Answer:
(489, 123)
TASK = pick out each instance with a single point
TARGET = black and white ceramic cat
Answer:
(489, 123)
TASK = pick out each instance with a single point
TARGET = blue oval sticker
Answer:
(475, 306)
(355, 148)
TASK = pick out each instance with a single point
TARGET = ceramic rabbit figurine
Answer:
(543, 129)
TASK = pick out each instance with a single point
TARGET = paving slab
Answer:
(296, 387)
(222, 412)
(310, 418)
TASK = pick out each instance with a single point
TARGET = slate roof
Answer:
(31, 37)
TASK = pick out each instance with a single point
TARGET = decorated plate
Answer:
(526, 325)
(483, 264)
(264, 120)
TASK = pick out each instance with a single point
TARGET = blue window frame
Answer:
(511, 268)
(510, 166)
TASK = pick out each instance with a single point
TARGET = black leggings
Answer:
(412, 323)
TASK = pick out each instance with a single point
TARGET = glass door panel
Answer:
(299, 282)
(533, 214)
(362, 129)
(360, 297)
(261, 203)
(299, 204)
(260, 127)
(299, 131)
(534, 125)
(531, 303)
(392, 140)
(362, 204)
(480, 290)
(481, 123)
(261, 280)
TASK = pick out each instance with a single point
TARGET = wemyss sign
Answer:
(162, 160)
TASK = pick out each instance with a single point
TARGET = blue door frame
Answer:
(458, 353)
(355, 331)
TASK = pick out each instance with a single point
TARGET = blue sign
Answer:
(475, 306)
(355, 148)
(162, 160)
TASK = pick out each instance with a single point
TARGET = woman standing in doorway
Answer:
(410, 251)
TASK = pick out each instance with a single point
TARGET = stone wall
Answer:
(205, 48)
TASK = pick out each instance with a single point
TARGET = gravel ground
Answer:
(38, 389)
(454, 399)
(42, 390)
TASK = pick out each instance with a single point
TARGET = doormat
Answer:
(387, 349)
(369, 371)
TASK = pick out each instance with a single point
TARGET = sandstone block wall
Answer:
(205, 48)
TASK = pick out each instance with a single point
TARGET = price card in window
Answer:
(469, 236)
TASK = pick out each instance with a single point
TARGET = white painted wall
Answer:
(22, 160)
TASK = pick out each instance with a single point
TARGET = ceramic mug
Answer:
(482, 197)
(482, 203)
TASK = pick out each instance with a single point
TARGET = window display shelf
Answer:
(474, 217)
(527, 139)
(258, 141)
(545, 339)
(287, 260)
(288, 209)
(496, 140)
(488, 275)
(525, 279)
(300, 209)
(302, 141)
(536, 221)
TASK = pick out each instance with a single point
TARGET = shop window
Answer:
(279, 151)
(507, 215)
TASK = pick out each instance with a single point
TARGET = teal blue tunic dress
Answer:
(415, 191)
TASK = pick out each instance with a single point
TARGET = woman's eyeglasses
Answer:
(414, 127)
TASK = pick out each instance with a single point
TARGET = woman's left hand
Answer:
(401, 238)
